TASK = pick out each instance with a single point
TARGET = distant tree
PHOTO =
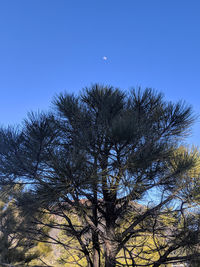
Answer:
(19, 243)
(100, 157)
(15, 245)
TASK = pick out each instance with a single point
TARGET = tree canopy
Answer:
(95, 161)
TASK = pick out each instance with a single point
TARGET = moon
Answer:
(104, 58)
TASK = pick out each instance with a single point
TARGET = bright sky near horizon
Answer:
(51, 46)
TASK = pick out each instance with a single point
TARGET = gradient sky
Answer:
(50, 46)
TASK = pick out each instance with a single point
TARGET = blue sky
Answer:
(48, 46)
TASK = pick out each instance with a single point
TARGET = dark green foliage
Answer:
(97, 155)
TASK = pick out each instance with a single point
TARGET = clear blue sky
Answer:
(48, 46)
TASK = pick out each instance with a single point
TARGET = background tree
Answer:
(100, 156)
(19, 243)
(16, 246)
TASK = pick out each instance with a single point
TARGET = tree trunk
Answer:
(96, 258)
(96, 250)
(95, 235)
(110, 248)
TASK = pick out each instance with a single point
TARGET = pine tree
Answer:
(100, 156)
